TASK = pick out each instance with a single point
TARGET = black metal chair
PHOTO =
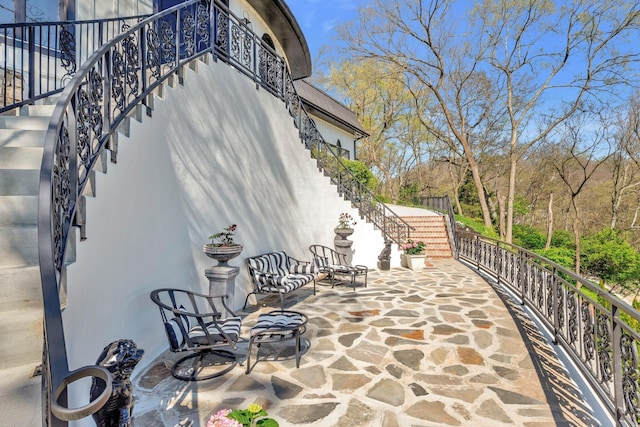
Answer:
(204, 326)
(335, 264)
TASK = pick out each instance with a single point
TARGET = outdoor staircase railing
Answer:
(40, 58)
(108, 89)
(330, 161)
(598, 331)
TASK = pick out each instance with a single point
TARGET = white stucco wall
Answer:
(98, 9)
(217, 151)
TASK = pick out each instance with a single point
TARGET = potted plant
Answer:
(222, 247)
(414, 254)
(253, 416)
(344, 227)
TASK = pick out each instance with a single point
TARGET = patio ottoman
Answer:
(277, 326)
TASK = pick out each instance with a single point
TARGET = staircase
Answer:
(433, 231)
(21, 144)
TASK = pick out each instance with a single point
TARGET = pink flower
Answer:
(220, 420)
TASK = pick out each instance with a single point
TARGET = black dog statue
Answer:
(120, 358)
(384, 259)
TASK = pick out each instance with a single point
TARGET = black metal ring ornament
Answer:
(72, 414)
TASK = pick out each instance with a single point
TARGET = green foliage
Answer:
(528, 237)
(477, 226)
(520, 206)
(472, 211)
(562, 239)
(383, 198)
(608, 256)
(564, 256)
(362, 173)
(409, 194)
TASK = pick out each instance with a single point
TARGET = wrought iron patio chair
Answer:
(335, 265)
(202, 325)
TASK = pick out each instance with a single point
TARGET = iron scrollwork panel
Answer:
(61, 194)
(572, 312)
(629, 354)
(89, 124)
(604, 348)
(589, 340)
(67, 53)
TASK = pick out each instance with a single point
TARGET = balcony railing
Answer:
(39, 58)
(597, 330)
(121, 75)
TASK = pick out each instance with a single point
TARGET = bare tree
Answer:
(578, 154)
(626, 158)
(533, 62)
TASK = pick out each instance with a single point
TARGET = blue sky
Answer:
(319, 18)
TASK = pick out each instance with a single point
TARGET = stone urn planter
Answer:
(343, 233)
(413, 262)
(342, 244)
(222, 254)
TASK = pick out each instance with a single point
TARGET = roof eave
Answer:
(286, 29)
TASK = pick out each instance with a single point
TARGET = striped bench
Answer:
(277, 273)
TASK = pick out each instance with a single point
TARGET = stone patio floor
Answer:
(439, 347)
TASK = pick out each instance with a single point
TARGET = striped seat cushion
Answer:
(302, 269)
(277, 323)
(230, 326)
(287, 283)
(348, 269)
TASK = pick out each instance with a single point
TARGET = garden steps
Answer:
(433, 231)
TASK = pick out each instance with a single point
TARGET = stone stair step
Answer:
(19, 182)
(18, 211)
(20, 288)
(22, 138)
(41, 110)
(22, 338)
(20, 396)
(18, 247)
(20, 157)
(24, 122)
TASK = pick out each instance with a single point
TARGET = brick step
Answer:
(434, 235)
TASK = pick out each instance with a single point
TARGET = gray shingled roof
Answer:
(322, 105)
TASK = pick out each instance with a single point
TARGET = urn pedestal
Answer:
(222, 276)
(342, 244)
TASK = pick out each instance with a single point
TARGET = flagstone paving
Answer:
(439, 347)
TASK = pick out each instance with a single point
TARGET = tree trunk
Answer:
(477, 180)
(547, 245)
(501, 215)
(510, 199)
(576, 234)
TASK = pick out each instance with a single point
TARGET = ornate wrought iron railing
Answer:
(598, 331)
(392, 226)
(118, 77)
(38, 59)
(443, 204)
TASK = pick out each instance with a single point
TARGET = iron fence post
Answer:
(32, 62)
(618, 392)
